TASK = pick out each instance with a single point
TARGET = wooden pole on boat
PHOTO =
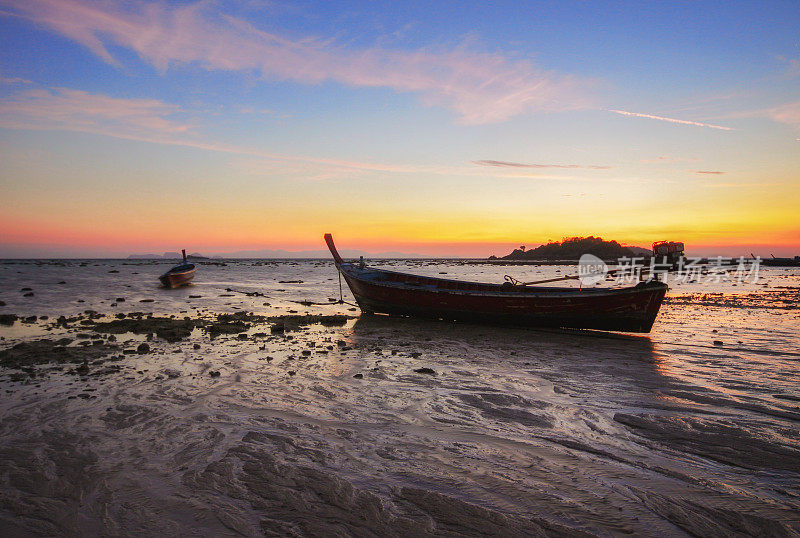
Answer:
(183, 251)
(611, 272)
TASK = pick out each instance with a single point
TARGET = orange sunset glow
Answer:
(448, 153)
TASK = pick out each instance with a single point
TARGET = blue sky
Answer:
(453, 128)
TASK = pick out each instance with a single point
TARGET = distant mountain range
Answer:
(280, 253)
(165, 256)
(570, 249)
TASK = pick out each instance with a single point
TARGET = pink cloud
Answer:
(76, 110)
(14, 80)
(150, 120)
(710, 172)
(479, 87)
(788, 113)
(664, 159)
(507, 164)
(671, 120)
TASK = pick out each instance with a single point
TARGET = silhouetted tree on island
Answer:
(572, 248)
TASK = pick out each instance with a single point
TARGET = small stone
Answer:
(214, 373)
(143, 348)
(196, 346)
(120, 299)
(29, 294)
(427, 371)
(718, 342)
(359, 376)
(291, 372)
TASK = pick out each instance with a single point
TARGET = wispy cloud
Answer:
(742, 185)
(14, 80)
(507, 164)
(152, 121)
(671, 120)
(793, 68)
(788, 113)
(664, 159)
(479, 87)
(710, 172)
(76, 110)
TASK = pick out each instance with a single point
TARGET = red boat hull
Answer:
(632, 309)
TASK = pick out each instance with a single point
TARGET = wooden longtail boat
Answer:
(631, 309)
(180, 275)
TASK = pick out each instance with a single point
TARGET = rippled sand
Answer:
(391, 426)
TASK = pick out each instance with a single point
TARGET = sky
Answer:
(443, 129)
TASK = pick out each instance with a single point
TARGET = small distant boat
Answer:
(631, 309)
(180, 275)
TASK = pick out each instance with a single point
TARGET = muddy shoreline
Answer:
(218, 419)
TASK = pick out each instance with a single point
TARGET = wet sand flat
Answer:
(234, 414)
